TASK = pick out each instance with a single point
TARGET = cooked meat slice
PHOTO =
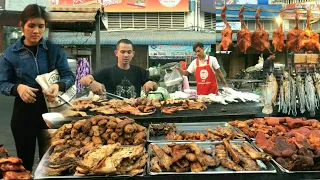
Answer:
(11, 159)
(246, 162)
(254, 154)
(164, 159)
(16, 175)
(232, 153)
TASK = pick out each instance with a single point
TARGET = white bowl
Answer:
(53, 119)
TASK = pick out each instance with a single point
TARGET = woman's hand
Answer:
(26, 93)
(51, 93)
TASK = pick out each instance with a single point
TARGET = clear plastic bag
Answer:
(172, 78)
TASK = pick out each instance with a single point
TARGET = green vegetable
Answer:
(160, 93)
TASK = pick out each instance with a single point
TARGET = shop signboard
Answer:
(131, 5)
(314, 7)
(173, 51)
(236, 26)
(207, 6)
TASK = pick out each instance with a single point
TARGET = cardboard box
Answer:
(300, 58)
(312, 58)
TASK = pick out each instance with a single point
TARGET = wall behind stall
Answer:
(109, 59)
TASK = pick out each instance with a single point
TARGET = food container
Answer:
(266, 167)
(188, 127)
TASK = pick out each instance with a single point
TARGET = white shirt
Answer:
(213, 63)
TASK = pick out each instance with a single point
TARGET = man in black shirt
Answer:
(268, 65)
(122, 79)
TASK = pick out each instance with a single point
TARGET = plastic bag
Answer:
(172, 78)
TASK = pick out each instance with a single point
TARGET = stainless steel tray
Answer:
(188, 127)
(39, 174)
(279, 166)
(266, 167)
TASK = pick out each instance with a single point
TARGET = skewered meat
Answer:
(226, 33)
(16, 175)
(244, 35)
(293, 39)
(309, 40)
(260, 37)
(278, 35)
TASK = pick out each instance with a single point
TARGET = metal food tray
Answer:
(279, 166)
(241, 132)
(39, 173)
(189, 127)
(266, 167)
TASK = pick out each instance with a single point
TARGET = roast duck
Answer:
(260, 37)
(293, 39)
(278, 35)
(243, 36)
(309, 40)
(226, 33)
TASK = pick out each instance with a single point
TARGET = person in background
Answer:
(268, 65)
(19, 66)
(122, 79)
(202, 67)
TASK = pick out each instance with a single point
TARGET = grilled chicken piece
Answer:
(206, 160)
(247, 163)
(109, 164)
(164, 159)
(3, 153)
(195, 148)
(223, 158)
(11, 167)
(244, 35)
(233, 154)
(11, 159)
(226, 33)
(177, 153)
(196, 167)
(278, 35)
(309, 40)
(16, 175)
(254, 154)
(260, 37)
(293, 40)
(154, 163)
(133, 164)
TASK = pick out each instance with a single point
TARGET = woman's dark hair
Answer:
(33, 11)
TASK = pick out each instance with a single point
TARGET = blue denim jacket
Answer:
(19, 65)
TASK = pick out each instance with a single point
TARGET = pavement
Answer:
(6, 138)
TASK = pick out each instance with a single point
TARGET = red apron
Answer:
(206, 79)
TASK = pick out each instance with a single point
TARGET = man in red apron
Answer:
(202, 67)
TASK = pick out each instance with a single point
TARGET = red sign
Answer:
(131, 5)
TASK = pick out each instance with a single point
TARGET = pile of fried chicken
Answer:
(100, 130)
(94, 147)
(190, 157)
(218, 133)
(293, 142)
(11, 167)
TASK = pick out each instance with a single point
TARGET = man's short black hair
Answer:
(197, 44)
(125, 41)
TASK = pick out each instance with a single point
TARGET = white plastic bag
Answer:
(172, 78)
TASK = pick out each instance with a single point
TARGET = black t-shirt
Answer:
(33, 49)
(125, 83)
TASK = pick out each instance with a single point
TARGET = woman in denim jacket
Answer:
(19, 66)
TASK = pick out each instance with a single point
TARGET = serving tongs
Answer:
(107, 94)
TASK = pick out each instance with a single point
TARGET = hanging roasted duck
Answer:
(260, 37)
(226, 33)
(278, 35)
(244, 35)
(309, 39)
(293, 39)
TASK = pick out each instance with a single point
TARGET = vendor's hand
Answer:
(51, 93)
(97, 88)
(226, 85)
(26, 93)
(150, 86)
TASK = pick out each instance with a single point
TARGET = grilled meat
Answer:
(244, 35)
(293, 39)
(278, 35)
(260, 37)
(226, 33)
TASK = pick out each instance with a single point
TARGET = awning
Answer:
(142, 37)
(70, 17)
(73, 8)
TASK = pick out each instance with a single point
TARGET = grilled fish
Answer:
(270, 94)
(301, 93)
(311, 100)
